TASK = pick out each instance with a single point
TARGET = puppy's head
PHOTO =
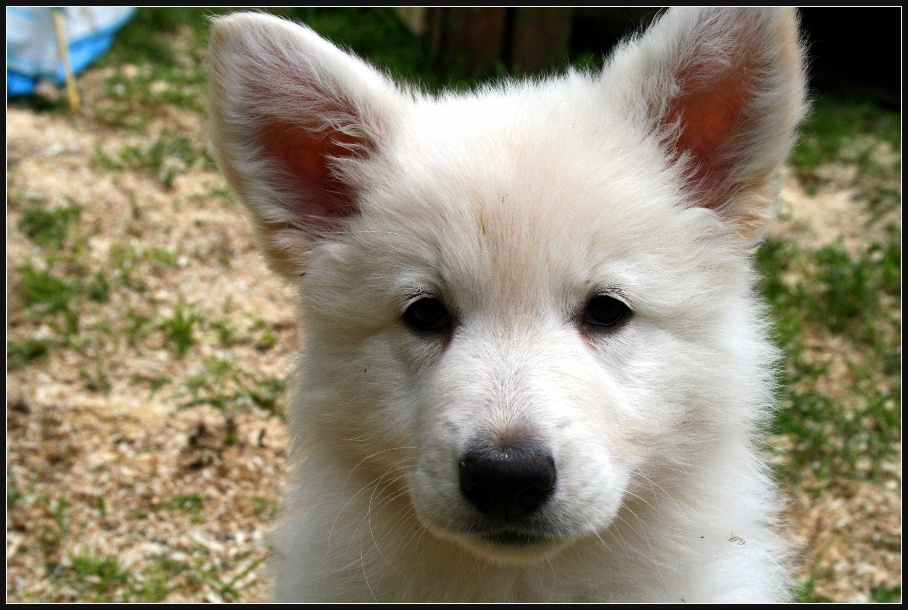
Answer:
(531, 305)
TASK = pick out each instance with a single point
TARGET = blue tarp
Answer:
(31, 42)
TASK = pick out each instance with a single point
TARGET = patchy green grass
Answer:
(845, 130)
(222, 384)
(852, 132)
(842, 296)
(76, 572)
(165, 157)
(848, 427)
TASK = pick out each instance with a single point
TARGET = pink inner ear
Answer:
(313, 190)
(709, 116)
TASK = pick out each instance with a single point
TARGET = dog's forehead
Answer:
(513, 196)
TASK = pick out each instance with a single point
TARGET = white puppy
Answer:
(535, 367)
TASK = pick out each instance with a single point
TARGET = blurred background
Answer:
(149, 349)
(851, 49)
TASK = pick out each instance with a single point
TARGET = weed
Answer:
(126, 260)
(225, 332)
(97, 578)
(191, 504)
(13, 494)
(222, 384)
(886, 595)
(155, 383)
(98, 380)
(832, 441)
(208, 572)
(137, 328)
(842, 294)
(163, 257)
(54, 531)
(98, 290)
(225, 195)
(260, 505)
(165, 157)
(774, 259)
(210, 386)
(835, 127)
(27, 351)
(157, 580)
(230, 590)
(49, 227)
(266, 394)
(47, 295)
(178, 329)
(266, 340)
(890, 261)
(847, 289)
(136, 211)
(376, 34)
(804, 592)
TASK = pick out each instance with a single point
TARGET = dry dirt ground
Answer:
(137, 472)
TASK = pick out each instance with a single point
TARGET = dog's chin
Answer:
(507, 547)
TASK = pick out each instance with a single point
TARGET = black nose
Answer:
(508, 482)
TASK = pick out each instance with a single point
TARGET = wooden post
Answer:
(63, 47)
(470, 38)
(474, 39)
(539, 37)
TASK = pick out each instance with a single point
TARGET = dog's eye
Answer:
(604, 311)
(427, 314)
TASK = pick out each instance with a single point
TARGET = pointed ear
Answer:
(724, 89)
(291, 116)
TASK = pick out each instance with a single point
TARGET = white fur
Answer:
(513, 205)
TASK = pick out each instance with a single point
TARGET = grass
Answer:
(76, 572)
(837, 130)
(192, 504)
(96, 380)
(851, 298)
(851, 432)
(179, 328)
(50, 298)
(852, 132)
(95, 578)
(49, 228)
(224, 385)
(98, 578)
(21, 353)
(804, 592)
(165, 157)
(886, 595)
